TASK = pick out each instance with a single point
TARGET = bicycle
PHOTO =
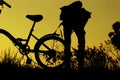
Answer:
(48, 50)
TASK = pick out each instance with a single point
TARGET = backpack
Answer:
(73, 15)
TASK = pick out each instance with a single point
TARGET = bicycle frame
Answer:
(18, 41)
(25, 47)
(52, 55)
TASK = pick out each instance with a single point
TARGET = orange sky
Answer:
(104, 14)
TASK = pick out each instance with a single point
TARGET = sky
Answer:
(104, 14)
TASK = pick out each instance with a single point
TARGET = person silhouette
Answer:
(74, 18)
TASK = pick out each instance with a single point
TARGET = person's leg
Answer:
(81, 48)
(67, 36)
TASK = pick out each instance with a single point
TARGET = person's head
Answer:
(77, 4)
(116, 26)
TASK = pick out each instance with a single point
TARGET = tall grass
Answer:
(12, 58)
(105, 56)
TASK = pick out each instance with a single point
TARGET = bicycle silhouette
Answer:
(48, 50)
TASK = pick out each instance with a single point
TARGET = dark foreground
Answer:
(15, 73)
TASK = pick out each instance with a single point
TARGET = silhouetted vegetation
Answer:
(105, 56)
(102, 60)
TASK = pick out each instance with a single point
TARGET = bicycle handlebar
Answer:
(3, 2)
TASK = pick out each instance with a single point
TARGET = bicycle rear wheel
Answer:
(49, 52)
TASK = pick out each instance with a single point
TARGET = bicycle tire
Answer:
(50, 60)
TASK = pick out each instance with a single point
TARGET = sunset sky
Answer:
(104, 14)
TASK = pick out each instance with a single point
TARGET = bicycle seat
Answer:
(35, 18)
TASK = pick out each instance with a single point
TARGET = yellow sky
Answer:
(104, 14)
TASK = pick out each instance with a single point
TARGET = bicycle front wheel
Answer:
(49, 52)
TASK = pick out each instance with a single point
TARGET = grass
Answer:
(98, 65)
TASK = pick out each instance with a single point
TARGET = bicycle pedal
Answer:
(29, 61)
